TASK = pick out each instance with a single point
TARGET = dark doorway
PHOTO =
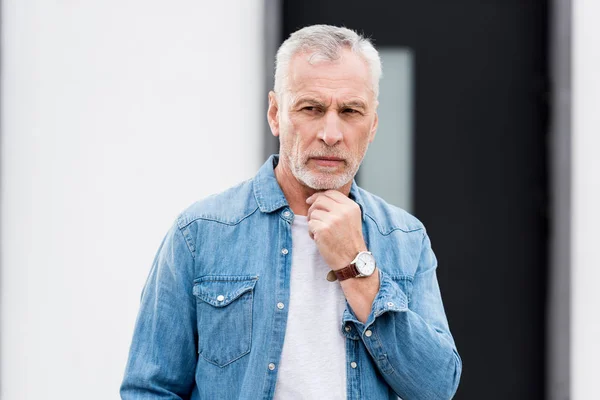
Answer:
(479, 168)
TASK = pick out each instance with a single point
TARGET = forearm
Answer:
(163, 354)
(360, 293)
(162, 357)
(417, 361)
(411, 346)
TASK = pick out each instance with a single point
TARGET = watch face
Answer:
(365, 264)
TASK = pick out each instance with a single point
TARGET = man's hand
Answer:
(335, 224)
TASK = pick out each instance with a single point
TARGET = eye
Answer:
(350, 111)
(311, 109)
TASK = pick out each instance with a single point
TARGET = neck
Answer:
(295, 191)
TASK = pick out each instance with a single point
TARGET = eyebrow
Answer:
(317, 103)
(353, 104)
(312, 102)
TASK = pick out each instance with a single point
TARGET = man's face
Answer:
(325, 119)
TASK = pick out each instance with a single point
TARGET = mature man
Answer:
(298, 284)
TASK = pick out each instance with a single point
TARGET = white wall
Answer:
(116, 115)
(585, 156)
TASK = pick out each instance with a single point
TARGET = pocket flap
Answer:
(220, 290)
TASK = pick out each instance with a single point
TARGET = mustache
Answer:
(327, 152)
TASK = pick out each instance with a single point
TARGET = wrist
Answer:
(363, 265)
(347, 259)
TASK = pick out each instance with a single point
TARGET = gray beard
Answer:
(322, 181)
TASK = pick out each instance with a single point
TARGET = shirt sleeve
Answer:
(410, 341)
(163, 354)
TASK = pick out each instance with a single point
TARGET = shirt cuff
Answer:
(389, 298)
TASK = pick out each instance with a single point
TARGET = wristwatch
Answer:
(362, 266)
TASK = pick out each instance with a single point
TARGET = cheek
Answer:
(290, 138)
(301, 131)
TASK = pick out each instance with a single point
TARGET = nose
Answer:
(331, 133)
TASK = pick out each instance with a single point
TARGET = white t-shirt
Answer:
(313, 359)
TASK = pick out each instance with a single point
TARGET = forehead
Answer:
(347, 76)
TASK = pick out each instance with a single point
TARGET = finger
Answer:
(335, 195)
(339, 200)
(314, 226)
(318, 215)
(323, 203)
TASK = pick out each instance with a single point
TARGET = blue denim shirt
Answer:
(209, 326)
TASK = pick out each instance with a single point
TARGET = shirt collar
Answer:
(269, 195)
(267, 192)
(357, 197)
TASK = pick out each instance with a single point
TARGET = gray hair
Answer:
(325, 43)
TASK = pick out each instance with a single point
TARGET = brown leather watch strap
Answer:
(347, 272)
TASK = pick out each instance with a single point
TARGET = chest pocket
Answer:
(224, 313)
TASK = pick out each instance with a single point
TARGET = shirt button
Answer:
(220, 297)
(353, 364)
(284, 251)
(347, 328)
(368, 333)
(390, 304)
(271, 366)
(287, 214)
(280, 306)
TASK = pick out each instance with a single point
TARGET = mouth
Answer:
(327, 161)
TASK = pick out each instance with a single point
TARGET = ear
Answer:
(375, 124)
(273, 114)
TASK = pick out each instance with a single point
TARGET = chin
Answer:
(318, 179)
(324, 181)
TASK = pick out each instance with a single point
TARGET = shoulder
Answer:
(387, 217)
(228, 207)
